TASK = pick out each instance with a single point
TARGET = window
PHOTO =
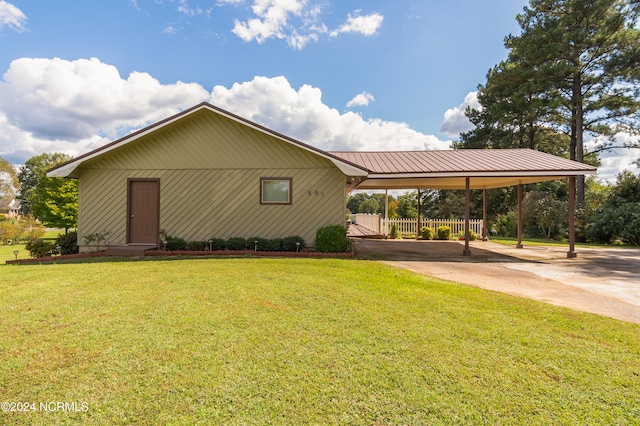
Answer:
(275, 190)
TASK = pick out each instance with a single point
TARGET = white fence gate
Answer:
(408, 227)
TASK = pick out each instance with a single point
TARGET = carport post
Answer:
(520, 196)
(386, 212)
(572, 223)
(484, 215)
(418, 224)
(467, 214)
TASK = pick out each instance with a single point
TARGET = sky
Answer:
(336, 74)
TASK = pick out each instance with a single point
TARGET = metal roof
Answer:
(487, 168)
(461, 161)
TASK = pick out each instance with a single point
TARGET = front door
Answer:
(144, 211)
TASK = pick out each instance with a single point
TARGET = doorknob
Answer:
(133, 215)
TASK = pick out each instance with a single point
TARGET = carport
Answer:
(468, 169)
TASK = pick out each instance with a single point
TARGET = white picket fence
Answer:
(407, 227)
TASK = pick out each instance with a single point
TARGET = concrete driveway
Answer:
(601, 281)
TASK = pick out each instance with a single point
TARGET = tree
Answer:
(586, 54)
(33, 171)
(407, 205)
(367, 203)
(8, 179)
(619, 216)
(53, 201)
(545, 211)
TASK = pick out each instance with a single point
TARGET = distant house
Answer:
(9, 207)
(206, 173)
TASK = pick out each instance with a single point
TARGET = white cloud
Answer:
(73, 100)
(361, 99)
(615, 161)
(54, 105)
(296, 22)
(184, 8)
(366, 25)
(169, 29)
(12, 17)
(272, 21)
(301, 114)
(455, 121)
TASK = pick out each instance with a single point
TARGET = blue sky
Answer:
(361, 75)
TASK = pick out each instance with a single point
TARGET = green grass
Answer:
(6, 253)
(301, 341)
(553, 243)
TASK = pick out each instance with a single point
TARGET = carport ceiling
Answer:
(485, 168)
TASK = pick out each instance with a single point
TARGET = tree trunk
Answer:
(579, 130)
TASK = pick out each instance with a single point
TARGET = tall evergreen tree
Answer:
(573, 71)
(585, 55)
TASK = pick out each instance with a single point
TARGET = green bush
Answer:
(258, 243)
(472, 235)
(237, 243)
(289, 243)
(393, 232)
(427, 233)
(216, 244)
(176, 243)
(444, 233)
(197, 245)
(68, 243)
(274, 244)
(40, 248)
(332, 239)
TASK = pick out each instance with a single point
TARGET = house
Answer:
(10, 207)
(207, 173)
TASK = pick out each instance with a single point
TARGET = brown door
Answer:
(144, 211)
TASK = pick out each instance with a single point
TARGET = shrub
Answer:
(217, 244)
(393, 232)
(97, 238)
(236, 243)
(332, 239)
(197, 245)
(472, 235)
(505, 225)
(289, 243)
(261, 244)
(427, 233)
(274, 244)
(68, 243)
(40, 248)
(176, 243)
(444, 233)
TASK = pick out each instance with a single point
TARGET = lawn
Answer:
(300, 341)
(510, 241)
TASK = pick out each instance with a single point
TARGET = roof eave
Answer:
(559, 173)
